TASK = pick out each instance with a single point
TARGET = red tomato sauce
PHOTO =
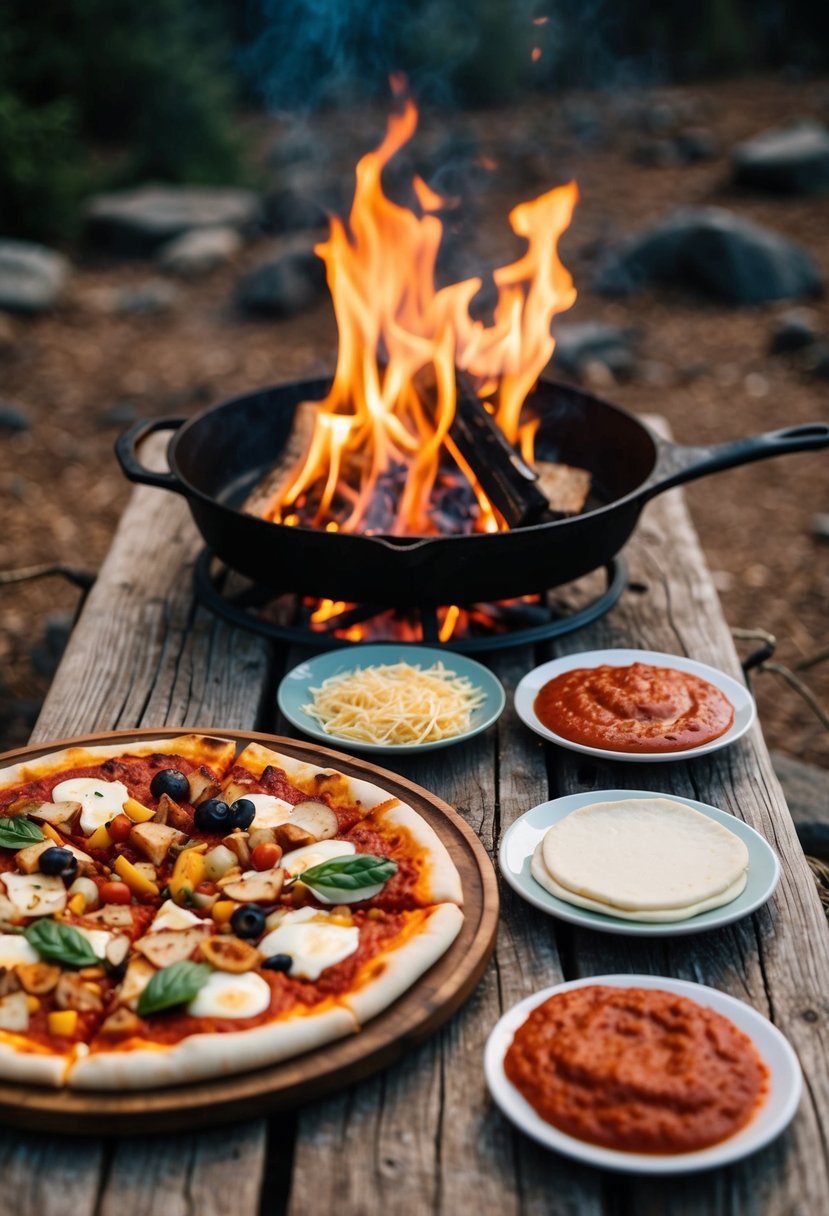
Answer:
(637, 1069)
(639, 708)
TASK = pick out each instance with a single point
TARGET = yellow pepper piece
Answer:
(49, 831)
(222, 910)
(135, 880)
(77, 904)
(137, 812)
(62, 1022)
(188, 872)
(32, 1004)
(100, 838)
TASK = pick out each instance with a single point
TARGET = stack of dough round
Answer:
(646, 859)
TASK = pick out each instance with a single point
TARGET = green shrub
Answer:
(140, 86)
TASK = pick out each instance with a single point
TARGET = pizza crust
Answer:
(21, 1063)
(441, 879)
(386, 977)
(256, 758)
(661, 916)
(217, 753)
(140, 1065)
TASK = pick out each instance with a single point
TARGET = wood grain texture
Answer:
(424, 1137)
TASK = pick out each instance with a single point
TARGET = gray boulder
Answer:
(788, 160)
(716, 252)
(579, 345)
(147, 299)
(32, 277)
(197, 252)
(136, 221)
(13, 419)
(795, 330)
(283, 286)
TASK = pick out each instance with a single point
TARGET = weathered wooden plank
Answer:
(43, 1176)
(142, 654)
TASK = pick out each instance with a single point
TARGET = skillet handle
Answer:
(126, 449)
(680, 462)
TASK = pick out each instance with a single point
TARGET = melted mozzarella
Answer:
(231, 996)
(270, 811)
(36, 894)
(98, 939)
(171, 916)
(315, 855)
(312, 940)
(15, 949)
(100, 800)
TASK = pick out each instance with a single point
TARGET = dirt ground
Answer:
(84, 370)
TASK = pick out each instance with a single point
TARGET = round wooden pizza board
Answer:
(430, 1002)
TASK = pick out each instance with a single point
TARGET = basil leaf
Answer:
(173, 985)
(60, 943)
(17, 832)
(349, 873)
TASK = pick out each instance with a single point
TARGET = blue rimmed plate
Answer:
(295, 691)
(522, 837)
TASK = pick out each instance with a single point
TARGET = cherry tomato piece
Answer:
(115, 893)
(265, 855)
(119, 828)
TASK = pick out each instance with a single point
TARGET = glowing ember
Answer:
(381, 458)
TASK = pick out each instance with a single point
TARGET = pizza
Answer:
(172, 911)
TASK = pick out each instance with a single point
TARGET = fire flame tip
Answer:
(393, 396)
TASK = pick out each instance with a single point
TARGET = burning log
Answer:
(267, 492)
(522, 494)
(506, 478)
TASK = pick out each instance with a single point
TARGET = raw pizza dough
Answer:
(642, 859)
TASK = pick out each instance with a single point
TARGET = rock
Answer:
(582, 346)
(302, 204)
(715, 252)
(788, 160)
(147, 299)
(13, 419)
(283, 286)
(119, 413)
(816, 360)
(820, 527)
(795, 330)
(696, 144)
(136, 221)
(807, 793)
(195, 253)
(32, 277)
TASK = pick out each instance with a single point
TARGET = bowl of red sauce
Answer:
(639, 705)
(643, 1073)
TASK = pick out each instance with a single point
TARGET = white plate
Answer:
(785, 1083)
(737, 693)
(295, 691)
(520, 840)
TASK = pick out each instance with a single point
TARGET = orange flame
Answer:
(392, 399)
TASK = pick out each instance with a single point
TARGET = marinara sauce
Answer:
(639, 708)
(637, 1069)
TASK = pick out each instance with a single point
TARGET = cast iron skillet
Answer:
(217, 457)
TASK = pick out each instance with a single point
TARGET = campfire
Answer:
(421, 433)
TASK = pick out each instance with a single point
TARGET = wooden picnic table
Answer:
(423, 1136)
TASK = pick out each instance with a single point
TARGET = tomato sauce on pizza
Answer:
(170, 911)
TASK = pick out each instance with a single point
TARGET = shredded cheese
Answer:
(395, 704)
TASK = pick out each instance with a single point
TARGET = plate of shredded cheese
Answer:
(389, 698)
